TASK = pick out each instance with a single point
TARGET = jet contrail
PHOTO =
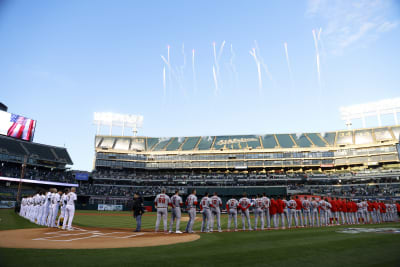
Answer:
(263, 64)
(253, 53)
(317, 57)
(215, 80)
(288, 63)
(194, 73)
(221, 49)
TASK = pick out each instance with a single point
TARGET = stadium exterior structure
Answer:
(360, 148)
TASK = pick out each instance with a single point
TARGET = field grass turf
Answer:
(295, 247)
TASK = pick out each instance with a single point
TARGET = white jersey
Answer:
(360, 207)
(258, 203)
(314, 205)
(286, 204)
(323, 204)
(63, 200)
(205, 203)
(306, 205)
(191, 201)
(176, 201)
(71, 197)
(292, 204)
(162, 201)
(55, 198)
(48, 198)
(266, 201)
(232, 203)
(216, 202)
(244, 202)
(37, 199)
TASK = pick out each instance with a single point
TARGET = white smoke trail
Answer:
(257, 61)
(194, 73)
(317, 57)
(288, 63)
(221, 49)
(263, 64)
(215, 80)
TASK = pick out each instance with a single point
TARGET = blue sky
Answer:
(60, 61)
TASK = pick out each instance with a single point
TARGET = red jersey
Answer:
(299, 205)
(273, 208)
(334, 205)
(280, 206)
(354, 205)
(376, 206)
(398, 207)
(382, 207)
(370, 206)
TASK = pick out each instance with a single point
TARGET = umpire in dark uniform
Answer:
(138, 210)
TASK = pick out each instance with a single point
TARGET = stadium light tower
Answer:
(120, 120)
(362, 111)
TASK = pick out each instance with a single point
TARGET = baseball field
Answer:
(295, 247)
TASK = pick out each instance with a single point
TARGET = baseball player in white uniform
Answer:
(306, 211)
(63, 205)
(231, 207)
(267, 203)
(176, 203)
(215, 211)
(314, 212)
(70, 209)
(244, 205)
(191, 203)
(258, 212)
(292, 212)
(161, 203)
(205, 204)
(46, 208)
(285, 213)
(323, 212)
(55, 200)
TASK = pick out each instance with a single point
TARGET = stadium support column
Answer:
(22, 177)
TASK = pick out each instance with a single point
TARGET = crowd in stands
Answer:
(36, 173)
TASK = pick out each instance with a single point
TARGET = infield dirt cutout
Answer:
(88, 238)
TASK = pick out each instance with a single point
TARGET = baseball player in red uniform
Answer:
(299, 206)
(273, 210)
(280, 209)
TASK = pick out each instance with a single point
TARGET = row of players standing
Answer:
(279, 212)
(43, 208)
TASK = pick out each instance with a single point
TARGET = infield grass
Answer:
(295, 247)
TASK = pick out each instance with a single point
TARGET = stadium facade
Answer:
(338, 150)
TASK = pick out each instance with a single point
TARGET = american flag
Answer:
(21, 127)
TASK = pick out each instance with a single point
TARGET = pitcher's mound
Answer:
(87, 238)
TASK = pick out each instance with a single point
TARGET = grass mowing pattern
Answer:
(295, 247)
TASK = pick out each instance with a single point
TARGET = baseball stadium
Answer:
(272, 133)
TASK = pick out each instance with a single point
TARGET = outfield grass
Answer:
(9, 221)
(295, 247)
